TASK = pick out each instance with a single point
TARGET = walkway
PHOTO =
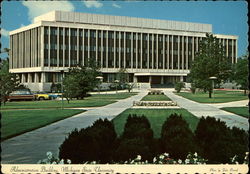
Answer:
(31, 147)
(199, 110)
(240, 103)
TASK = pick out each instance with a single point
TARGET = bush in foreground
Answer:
(176, 137)
(220, 143)
(90, 144)
(137, 138)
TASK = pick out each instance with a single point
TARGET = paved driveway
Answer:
(31, 147)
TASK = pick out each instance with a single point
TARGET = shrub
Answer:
(178, 86)
(177, 138)
(193, 88)
(220, 143)
(137, 138)
(95, 143)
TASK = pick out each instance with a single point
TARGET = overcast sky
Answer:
(226, 17)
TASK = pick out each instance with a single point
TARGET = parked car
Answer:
(22, 94)
(42, 96)
(55, 95)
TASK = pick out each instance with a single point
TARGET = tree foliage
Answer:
(240, 72)
(210, 61)
(123, 77)
(177, 138)
(8, 81)
(219, 143)
(95, 143)
(80, 80)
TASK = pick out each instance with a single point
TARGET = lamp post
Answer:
(62, 72)
(100, 80)
(116, 84)
(213, 78)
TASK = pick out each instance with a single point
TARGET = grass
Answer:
(156, 118)
(95, 100)
(16, 122)
(220, 96)
(242, 111)
(161, 97)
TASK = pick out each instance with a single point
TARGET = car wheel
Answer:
(41, 98)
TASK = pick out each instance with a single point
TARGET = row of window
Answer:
(110, 34)
(110, 49)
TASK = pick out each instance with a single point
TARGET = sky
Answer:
(226, 17)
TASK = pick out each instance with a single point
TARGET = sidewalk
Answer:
(31, 147)
(240, 103)
(199, 110)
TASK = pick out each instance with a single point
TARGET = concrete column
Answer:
(168, 52)
(36, 78)
(181, 78)
(119, 50)
(69, 48)
(232, 51)
(148, 52)
(107, 35)
(162, 79)
(186, 52)
(236, 53)
(132, 50)
(183, 55)
(49, 48)
(172, 57)
(152, 51)
(43, 79)
(77, 47)
(157, 54)
(42, 46)
(58, 47)
(114, 49)
(178, 54)
(193, 48)
(150, 79)
(88, 45)
(83, 47)
(22, 78)
(136, 51)
(135, 79)
(124, 50)
(141, 50)
(164, 52)
(197, 44)
(227, 47)
(63, 47)
(96, 46)
(102, 49)
(29, 78)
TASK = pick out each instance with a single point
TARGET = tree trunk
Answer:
(245, 92)
(210, 94)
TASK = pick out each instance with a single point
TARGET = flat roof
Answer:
(87, 18)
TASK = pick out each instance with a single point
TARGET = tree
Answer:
(210, 61)
(8, 81)
(80, 80)
(123, 78)
(240, 72)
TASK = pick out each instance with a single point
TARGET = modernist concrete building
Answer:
(152, 51)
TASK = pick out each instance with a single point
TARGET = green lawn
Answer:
(16, 122)
(156, 118)
(160, 97)
(220, 96)
(242, 111)
(95, 100)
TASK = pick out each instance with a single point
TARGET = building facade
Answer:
(152, 51)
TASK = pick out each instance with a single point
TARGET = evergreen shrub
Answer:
(176, 137)
(95, 143)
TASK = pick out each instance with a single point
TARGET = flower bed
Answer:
(154, 103)
(155, 92)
